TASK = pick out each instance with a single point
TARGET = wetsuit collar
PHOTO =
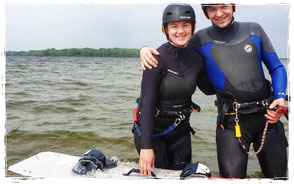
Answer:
(177, 51)
(224, 34)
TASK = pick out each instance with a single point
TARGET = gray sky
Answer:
(42, 26)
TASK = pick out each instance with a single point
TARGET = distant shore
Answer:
(79, 52)
(83, 52)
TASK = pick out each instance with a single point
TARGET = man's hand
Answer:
(147, 59)
(273, 116)
(146, 161)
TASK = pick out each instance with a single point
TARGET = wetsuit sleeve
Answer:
(149, 95)
(195, 41)
(204, 83)
(275, 67)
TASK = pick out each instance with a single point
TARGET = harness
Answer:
(225, 105)
(230, 106)
(167, 111)
(169, 129)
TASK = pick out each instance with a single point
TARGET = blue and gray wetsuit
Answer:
(233, 58)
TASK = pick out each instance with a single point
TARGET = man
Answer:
(233, 54)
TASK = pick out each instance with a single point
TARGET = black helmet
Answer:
(178, 12)
(205, 6)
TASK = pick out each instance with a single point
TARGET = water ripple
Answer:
(71, 105)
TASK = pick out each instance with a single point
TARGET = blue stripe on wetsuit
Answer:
(275, 68)
(215, 75)
(257, 42)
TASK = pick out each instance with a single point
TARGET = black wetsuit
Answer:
(233, 59)
(169, 87)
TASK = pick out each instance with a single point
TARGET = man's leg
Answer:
(273, 157)
(232, 159)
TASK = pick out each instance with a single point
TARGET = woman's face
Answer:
(179, 33)
(220, 15)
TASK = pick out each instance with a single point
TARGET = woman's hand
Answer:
(147, 59)
(273, 116)
(146, 161)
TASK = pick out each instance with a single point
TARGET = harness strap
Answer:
(169, 129)
(225, 105)
(167, 111)
(172, 110)
(172, 113)
(262, 103)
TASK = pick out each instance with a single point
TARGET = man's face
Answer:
(220, 15)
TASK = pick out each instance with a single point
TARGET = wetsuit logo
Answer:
(248, 48)
(185, 17)
(173, 72)
(219, 42)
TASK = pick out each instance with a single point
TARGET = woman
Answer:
(162, 135)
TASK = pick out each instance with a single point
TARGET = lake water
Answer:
(71, 105)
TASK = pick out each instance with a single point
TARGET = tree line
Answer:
(76, 52)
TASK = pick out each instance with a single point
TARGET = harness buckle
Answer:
(236, 106)
(265, 104)
(180, 119)
(177, 122)
(157, 112)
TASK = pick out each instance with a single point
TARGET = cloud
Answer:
(42, 26)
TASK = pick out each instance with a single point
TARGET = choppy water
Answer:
(71, 105)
